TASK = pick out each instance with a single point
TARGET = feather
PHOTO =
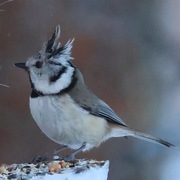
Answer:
(90, 102)
(54, 49)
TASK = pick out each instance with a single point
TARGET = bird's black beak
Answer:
(21, 65)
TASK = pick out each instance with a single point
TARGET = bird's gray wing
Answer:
(101, 109)
(91, 103)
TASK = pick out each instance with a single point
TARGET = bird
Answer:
(64, 108)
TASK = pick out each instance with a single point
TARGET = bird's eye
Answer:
(38, 64)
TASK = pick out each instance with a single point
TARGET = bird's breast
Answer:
(65, 122)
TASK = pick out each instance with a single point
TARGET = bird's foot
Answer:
(71, 157)
(39, 159)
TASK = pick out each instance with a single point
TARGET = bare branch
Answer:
(4, 85)
(5, 2)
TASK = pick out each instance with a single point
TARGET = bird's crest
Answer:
(53, 47)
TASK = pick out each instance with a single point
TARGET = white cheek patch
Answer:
(46, 87)
(42, 81)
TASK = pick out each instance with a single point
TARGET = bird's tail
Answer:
(141, 135)
(147, 137)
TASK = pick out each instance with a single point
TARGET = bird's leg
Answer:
(39, 159)
(58, 150)
(72, 156)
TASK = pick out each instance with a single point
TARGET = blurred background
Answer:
(129, 54)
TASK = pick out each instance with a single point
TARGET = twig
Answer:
(5, 2)
(4, 85)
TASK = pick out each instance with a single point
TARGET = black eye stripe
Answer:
(58, 75)
(55, 63)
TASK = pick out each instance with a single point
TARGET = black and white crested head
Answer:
(51, 71)
(54, 49)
